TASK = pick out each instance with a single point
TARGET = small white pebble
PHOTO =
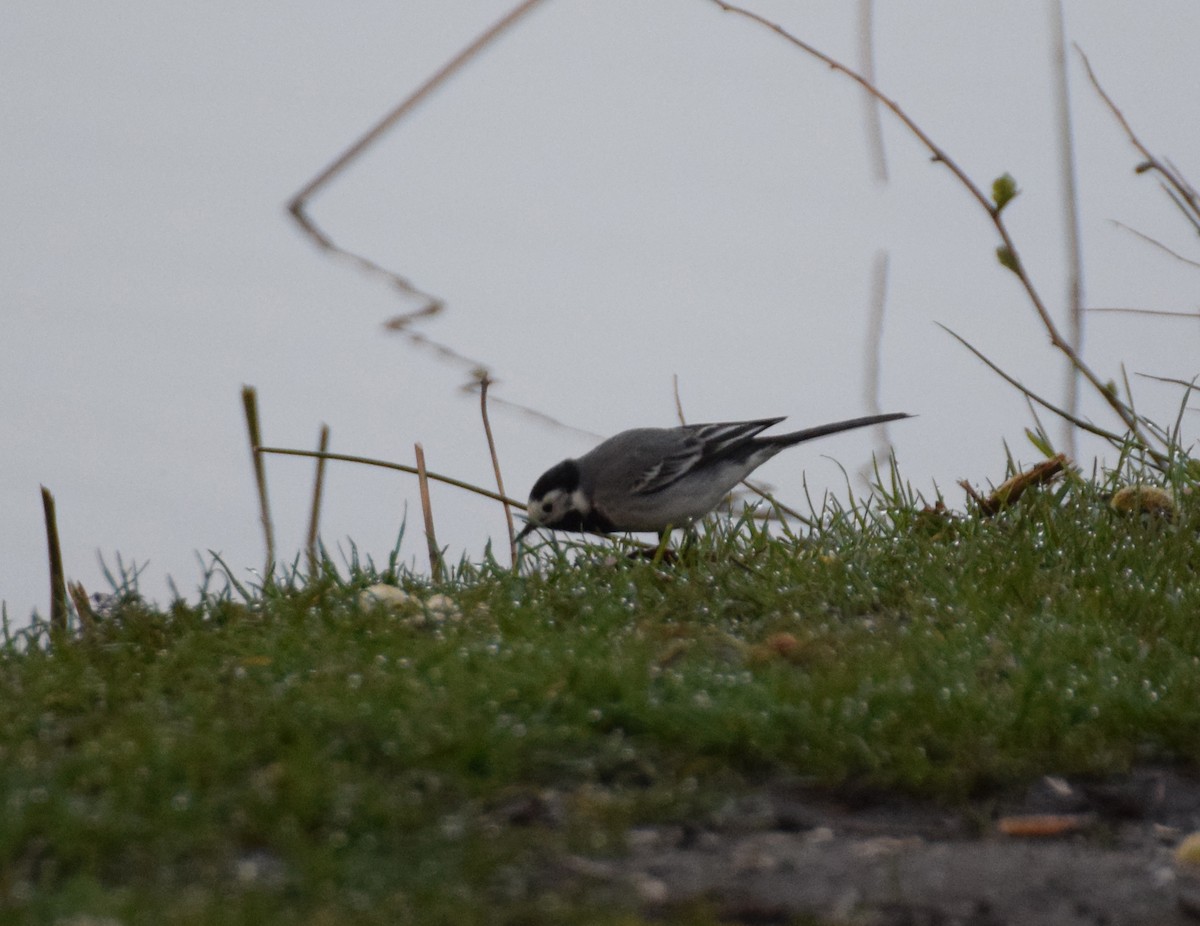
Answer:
(441, 608)
(383, 594)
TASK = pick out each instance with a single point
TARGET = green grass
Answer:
(298, 757)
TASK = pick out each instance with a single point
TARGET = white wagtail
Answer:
(654, 479)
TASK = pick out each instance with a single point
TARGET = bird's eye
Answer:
(547, 507)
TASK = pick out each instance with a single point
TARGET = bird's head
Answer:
(557, 501)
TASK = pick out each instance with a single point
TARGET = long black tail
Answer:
(796, 437)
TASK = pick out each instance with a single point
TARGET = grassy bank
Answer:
(308, 754)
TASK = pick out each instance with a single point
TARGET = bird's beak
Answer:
(528, 529)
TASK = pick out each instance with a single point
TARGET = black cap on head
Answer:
(564, 476)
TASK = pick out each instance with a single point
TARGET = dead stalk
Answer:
(484, 382)
(314, 519)
(435, 554)
(83, 607)
(58, 583)
(250, 406)
(1009, 492)
(1154, 241)
(1033, 396)
(400, 467)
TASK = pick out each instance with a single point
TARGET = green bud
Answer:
(1004, 188)
(1007, 258)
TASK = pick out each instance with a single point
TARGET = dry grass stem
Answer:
(314, 518)
(1109, 436)
(1160, 313)
(777, 506)
(58, 584)
(435, 553)
(1190, 385)
(484, 382)
(83, 607)
(1009, 491)
(250, 406)
(1154, 241)
(400, 467)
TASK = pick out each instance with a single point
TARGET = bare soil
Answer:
(790, 853)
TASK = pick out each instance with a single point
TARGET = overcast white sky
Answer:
(616, 192)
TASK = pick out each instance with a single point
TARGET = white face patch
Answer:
(579, 502)
(555, 505)
(540, 510)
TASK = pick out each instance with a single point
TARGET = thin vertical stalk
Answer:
(484, 382)
(678, 403)
(314, 518)
(250, 406)
(58, 582)
(83, 607)
(435, 553)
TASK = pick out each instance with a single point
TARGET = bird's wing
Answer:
(695, 444)
(669, 468)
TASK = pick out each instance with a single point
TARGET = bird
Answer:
(656, 479)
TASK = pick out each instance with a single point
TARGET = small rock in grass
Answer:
(1145, 500)
(383, 594)
(441, 608)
